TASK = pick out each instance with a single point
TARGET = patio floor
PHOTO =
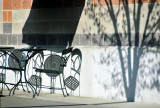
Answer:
(46, 100)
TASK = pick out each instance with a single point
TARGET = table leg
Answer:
(16, 85)
(28, 83)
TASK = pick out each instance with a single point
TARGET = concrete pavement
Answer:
(46, 100)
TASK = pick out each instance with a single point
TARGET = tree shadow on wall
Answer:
(139, 39)
(52, 22)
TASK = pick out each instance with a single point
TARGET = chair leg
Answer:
(23, 87)
(7, 86)
(64, 85)
(39, 90)
(2, 87)
(27, 89)
(16, 76)
(39, 85)
(36, 89)
(14, 88)
(51, 85)
(32, 89)
(61, 85)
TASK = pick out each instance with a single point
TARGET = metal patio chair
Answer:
(35, 78)
(3, 81)
(54, 66)
(14, 65)
(73, 80)
(2, 72)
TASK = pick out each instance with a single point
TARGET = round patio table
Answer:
(30, 52)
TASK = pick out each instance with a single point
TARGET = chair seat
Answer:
(10, 68)
(47, 71)
(51, 73)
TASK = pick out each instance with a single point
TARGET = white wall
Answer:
(101, 74)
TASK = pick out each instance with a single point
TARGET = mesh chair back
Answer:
(35, 80)
(12, 60)
(53, 63)
(71, 82)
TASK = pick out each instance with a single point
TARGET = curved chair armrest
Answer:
(66, 51)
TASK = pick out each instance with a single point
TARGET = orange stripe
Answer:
(26, 4)
(17, 4)
(5, 15)
(7, 4)
(9, 16)
(118, 2)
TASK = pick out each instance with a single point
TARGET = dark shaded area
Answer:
(52, 22)
(57, 4)
(2, 95)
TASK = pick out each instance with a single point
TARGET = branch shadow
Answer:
(128, 33)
